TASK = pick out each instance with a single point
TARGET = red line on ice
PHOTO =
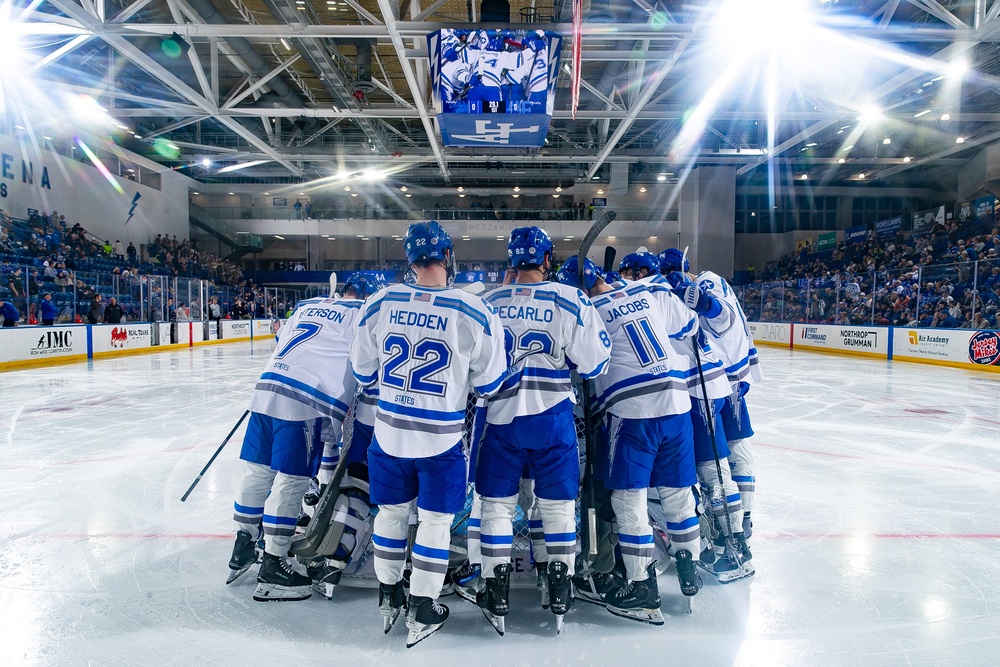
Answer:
(895, 462)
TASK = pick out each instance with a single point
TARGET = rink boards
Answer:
(39, 345)
(978, 350)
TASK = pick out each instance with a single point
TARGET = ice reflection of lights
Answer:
(936, 609)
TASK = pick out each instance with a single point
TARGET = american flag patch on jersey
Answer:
(618, 295)
(522, 291)
(422, 296)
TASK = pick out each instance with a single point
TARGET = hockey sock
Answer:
(741, 465)
(430, 553)
(474, 531)
(392, 525)
(681, 519)
(559, 527)
(635, 537)
(249, 506)
(281, 511)
(497, 532)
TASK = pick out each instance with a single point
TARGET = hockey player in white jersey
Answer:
(307, 378)
(734, 345)
(644, 395)
(729, 561)
(426, 346)
(639, 265)
(549, 329)
(351, 522)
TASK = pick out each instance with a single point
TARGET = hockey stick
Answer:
(710, 420)
(212, 460)
(307, 545)
(333, 285)
(590, 425)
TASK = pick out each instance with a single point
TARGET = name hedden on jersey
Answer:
(407, 318)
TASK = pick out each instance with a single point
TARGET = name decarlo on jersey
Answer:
(547, 327)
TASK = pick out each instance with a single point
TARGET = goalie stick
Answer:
(588, 510)
(308, 544)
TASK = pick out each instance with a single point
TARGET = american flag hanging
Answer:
(577, 49)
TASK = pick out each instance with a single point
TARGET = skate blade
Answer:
(418, 635)
(273, 593)
(744, 571)
(688, 603)
(651, 616)
(560, 623)
(236, 574)
(324, 589)
(590, 598)
(388, 620)
(466, 593)
(496, 621)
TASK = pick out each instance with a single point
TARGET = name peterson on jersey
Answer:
(309, 373)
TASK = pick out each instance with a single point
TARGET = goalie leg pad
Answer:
(722, 499)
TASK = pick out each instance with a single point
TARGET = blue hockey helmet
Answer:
(528, 245)
(365, 283)
(640, 260)
(426, 240)
(495, 40)
(670, 260)
(612, 276)
(569, 273)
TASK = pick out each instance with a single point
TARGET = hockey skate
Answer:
(560, 592)
(638, 600)
(734, 564)
(324, 576)
(278, 581)
(542, 583)
(391, 600)
(466, 581)
(494, 599)
(687, 576)
(424, 617)
(594, 587)
(244, 555)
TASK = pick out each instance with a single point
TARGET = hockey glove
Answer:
(678, 279)
(697, 300)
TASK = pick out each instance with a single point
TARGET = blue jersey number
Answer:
(435, 354)
(645, 344)
(528, 343)
(300, 334)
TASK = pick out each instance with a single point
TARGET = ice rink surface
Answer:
(876, 532)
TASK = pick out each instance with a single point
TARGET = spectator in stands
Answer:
(183, 314)
(132, 253)
(119, 250)
(14, 283)
(47, 309)
(113, 312)
(240, 311)
(63, 280)
(95, 314)
(215, 311)
(9, 313)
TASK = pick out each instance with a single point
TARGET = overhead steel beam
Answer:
(131, 11)
(935, 158)
(130, 51)
(434, 6)
(385, 6)
(261, 82)
(58, 53)
(363, 12)
(935, 9)
(176, 125)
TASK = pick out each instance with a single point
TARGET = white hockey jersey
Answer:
(549, 329)
(732, 342)
(426, 349)
(712, 369)
(646, 377)
(309, 374)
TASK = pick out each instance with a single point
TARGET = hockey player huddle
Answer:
(665, 359)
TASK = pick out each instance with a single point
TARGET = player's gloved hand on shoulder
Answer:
(697, 300)
(678, 279)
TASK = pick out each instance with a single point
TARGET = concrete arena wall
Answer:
(24, 347)
(958, 348)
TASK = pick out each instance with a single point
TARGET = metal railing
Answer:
(962, 295)
(368, 212)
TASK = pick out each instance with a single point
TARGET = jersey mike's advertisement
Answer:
(860, 341)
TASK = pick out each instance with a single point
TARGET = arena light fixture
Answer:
(907, 159)
(279, 237)
(409, 195)
(556, 196)
(601, 191)
(242, 165)
(960, 140)
(642, 189)
(403, 188)
(302, 193)
(462, 196)
(804, 177)
(841, 161)
(870, 115)
(515, 196)
(517, 188)
(861, 175)
(921, 113)
(957, 67)
(946, 116)
(347, 188)
(232, 193)
(558, 188)
(886, 141)
(661, 178)
(461, 189)
(354, 194)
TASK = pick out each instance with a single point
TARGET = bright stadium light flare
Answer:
(870, 115)
(100, 165)
(957, 67)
